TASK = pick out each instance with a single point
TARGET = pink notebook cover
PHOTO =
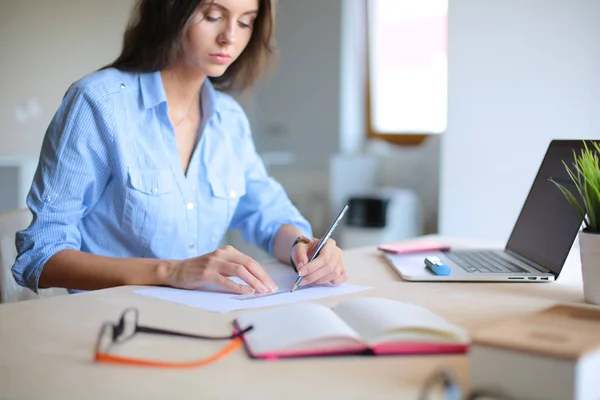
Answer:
(410, 248)
(400, 348)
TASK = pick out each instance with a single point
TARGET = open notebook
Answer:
(360, 325)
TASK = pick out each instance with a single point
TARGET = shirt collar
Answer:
(153, 93)
(208, 98)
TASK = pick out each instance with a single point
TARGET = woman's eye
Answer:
(247, 23)
(212, 18)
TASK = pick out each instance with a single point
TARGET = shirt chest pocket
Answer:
(226, 193)
(149, 204)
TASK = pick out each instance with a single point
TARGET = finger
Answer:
(327, 253)
(332, 267)
(319, 262)
(231, 269)
(330, 245)
(336, 276)
(323, 265)
(340, 279)
(335, 272)
(300, 254)
(237, 257)
(325, 279)
(231, 285)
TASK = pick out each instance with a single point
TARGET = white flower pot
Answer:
(589, 247)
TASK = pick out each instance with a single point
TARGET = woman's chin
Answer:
(215, 71)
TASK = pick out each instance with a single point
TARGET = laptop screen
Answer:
(548, 224)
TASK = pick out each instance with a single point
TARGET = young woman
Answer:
(148, 162)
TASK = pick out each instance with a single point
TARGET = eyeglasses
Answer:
(442, 385)
(111, 334)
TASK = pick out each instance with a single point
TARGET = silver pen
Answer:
(322, 243)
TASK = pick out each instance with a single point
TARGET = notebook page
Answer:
(306, 326)
(380, 319)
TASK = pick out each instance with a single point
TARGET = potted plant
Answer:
(586, 177)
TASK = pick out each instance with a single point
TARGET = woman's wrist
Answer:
(284, 239)
(165, 271)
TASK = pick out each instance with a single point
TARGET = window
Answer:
(407, 67)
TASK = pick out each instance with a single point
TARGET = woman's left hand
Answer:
(327, 267)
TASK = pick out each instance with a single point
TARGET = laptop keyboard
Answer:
(483, 261)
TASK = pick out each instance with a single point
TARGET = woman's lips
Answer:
(220, 58)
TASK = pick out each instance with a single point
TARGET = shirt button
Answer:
(192, 246)
(232, 194)
(48, 198)
(154, 190)
(122, 86)
(190, 206)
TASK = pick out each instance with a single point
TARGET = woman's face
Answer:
(218, 34)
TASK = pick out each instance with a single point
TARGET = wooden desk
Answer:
(46, 346)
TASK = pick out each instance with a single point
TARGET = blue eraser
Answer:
(436, 266)
(441, 269)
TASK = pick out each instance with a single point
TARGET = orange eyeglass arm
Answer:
(112, 359)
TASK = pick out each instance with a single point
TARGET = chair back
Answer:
(10, 223)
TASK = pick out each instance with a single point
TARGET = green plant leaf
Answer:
(578, 185)
(570, 198)
(585, 175)
(590, 173)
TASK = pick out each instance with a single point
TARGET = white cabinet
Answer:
(16, 176)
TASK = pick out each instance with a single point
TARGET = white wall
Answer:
(521, 73)
(44, 47)
(297, 108)
(353, 79)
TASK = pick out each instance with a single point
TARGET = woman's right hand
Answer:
(216, 268)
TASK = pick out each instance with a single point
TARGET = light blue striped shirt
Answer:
(110, 180)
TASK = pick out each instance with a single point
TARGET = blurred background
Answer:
(427, 116)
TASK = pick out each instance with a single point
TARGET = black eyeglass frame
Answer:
(118, 330)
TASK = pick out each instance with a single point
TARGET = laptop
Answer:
(538, 245)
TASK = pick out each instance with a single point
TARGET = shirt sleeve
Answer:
(266, 206)
(72, 173)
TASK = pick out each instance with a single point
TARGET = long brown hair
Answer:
(157, 28)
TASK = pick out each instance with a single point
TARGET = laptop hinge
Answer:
(529, 262)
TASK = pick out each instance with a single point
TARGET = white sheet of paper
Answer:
(218, 300)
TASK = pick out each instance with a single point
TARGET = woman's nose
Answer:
(228, 35)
